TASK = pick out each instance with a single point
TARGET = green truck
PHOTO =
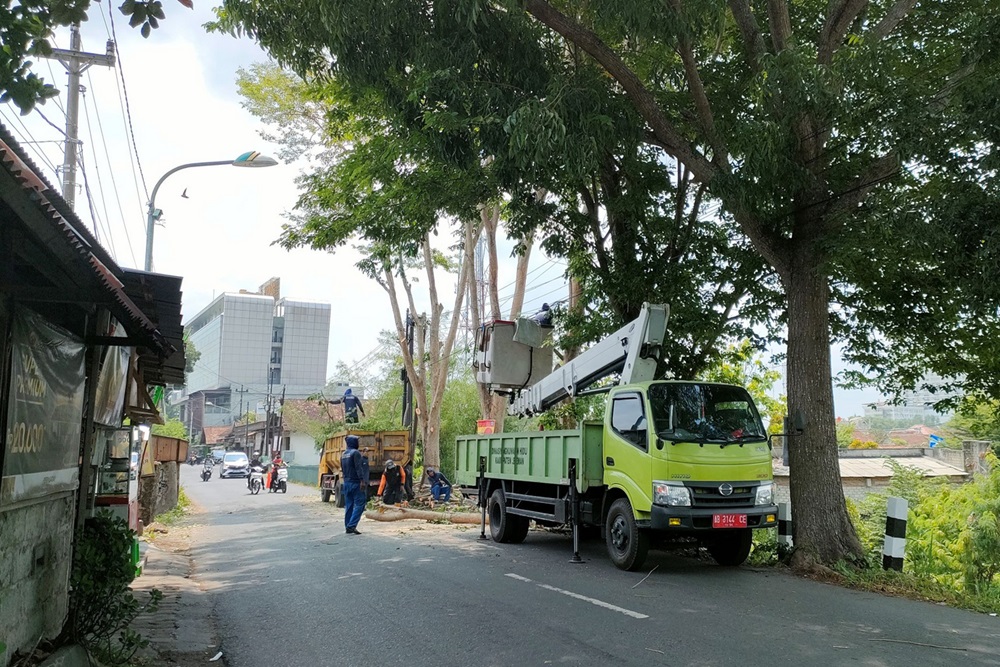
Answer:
(672, 461)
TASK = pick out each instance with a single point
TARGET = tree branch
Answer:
(881, 170)
(666, 134)
(781, 24)
(720, 154)
(896, 14)
(441, 377)
(752, 40)
(839, 18)
(593, 216)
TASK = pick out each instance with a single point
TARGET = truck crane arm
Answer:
(633, 351)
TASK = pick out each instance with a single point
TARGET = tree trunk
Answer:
(823, 533)
(490, 216)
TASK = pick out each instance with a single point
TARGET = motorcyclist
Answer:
(276, 462)
(255, 461)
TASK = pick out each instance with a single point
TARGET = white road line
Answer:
(593, 601)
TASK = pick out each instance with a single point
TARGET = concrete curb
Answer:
(182, 629)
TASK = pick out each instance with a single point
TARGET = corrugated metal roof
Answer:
(69, 241)
(879, 467)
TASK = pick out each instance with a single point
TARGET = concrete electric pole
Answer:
(76, 62)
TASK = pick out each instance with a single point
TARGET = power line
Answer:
(97, 168)
(540, 300)
(551, 260)
(545, 265)
(131, 158)
(124, 91)
(28, 140)
(93, 212)
(534, 287)
(107, 155)
(45, 118)
(48, 61)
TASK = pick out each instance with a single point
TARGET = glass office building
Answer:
(254, 346)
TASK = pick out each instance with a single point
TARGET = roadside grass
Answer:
(179, 511)
(909, 585)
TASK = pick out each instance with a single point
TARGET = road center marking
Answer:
(593, 601)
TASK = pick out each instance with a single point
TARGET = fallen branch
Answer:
(647, 576)
(403, 513)
(904, 641)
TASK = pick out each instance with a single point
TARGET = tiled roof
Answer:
(216, 434)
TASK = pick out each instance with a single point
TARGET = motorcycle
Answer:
(279, 480)
(206, 473)
(256, 480)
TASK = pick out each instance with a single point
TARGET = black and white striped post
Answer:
(894, 550)
(785, 525)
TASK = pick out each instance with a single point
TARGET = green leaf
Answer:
(138, 16)
(146, 29)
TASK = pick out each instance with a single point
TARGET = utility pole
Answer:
(242, 415)
(76, 62)
(267, 412)
(408, 419)
(281, 422)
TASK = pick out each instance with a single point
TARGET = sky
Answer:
(180, 86)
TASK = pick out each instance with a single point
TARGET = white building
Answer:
(254, 347)
(916, 406)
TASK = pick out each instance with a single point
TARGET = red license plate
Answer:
(729, 521)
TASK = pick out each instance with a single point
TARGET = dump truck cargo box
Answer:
(534, 456)
(382, 446)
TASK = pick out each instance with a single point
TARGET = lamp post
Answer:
(252, 159)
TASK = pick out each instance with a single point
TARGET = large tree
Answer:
(821, 128)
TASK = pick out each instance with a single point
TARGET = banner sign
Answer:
(109, 406)
(45, 409)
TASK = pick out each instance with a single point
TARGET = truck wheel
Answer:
(627, 545)
(339, 493)
(731, 548)
(324, 495)
(504, 527)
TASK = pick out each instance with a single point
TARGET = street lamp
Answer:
(252, 159)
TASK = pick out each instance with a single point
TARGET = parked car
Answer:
(235, 464)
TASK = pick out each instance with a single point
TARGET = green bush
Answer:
(101, 604)
(766, 550)
(953, 536)
(858, 444)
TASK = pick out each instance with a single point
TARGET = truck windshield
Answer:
(705, 413)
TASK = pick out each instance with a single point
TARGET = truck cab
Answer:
(689, 456)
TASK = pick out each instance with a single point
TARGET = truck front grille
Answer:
(708, 495)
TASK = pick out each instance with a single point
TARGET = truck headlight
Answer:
(765, 494)
(671, 494)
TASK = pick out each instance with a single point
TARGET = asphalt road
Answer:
(290, 588)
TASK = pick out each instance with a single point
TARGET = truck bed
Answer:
(534, 456)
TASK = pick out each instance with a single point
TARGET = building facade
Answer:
(254, 347)
(916, 406)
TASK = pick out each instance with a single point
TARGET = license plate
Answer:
(729, 521)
